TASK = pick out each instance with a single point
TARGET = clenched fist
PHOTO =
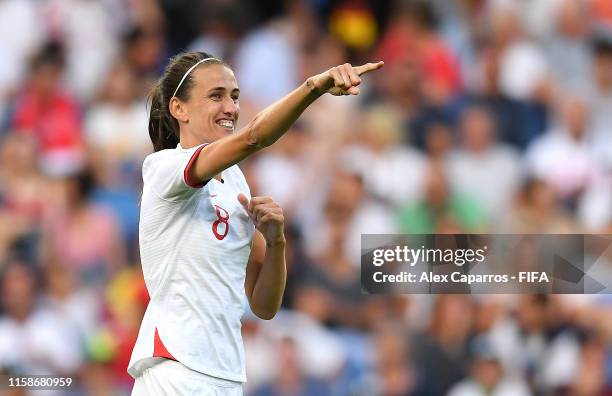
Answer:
(341, 80)
(267, 216)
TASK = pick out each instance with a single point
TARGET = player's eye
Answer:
(215, 97)
(235, 98)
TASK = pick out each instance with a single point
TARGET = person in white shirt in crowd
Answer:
(392, 171)
(548, 157)
(474, 169)
(117, 124)
(567, 47)
(34, 339)
(600, 98)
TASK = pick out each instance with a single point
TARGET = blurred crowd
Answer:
(490, 116)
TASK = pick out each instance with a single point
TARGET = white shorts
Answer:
(172, 378)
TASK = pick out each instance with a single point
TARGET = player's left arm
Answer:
(266, 271)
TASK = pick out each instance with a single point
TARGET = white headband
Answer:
(187, 73)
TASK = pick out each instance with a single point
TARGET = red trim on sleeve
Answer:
(188, 167)
(159, 349)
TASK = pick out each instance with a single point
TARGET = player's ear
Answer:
(178, 109)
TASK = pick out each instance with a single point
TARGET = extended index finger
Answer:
(368, 67)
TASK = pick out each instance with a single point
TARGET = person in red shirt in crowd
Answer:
(412, 34)
(602, 11)
(43, 110)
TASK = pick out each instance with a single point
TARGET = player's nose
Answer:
(230, 108)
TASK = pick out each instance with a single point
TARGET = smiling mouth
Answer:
(226, 124)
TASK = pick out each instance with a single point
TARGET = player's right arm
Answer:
(272, 122)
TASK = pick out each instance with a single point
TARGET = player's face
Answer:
(213, 103)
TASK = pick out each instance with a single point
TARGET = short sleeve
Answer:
(167, 173)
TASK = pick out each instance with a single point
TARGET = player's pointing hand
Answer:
(341, 80)
(267, 216)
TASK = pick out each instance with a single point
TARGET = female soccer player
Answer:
(204, 243)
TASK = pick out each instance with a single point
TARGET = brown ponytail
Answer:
(163, 127)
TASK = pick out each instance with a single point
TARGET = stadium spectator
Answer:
(537, 210)
(474, 169)
(290, 380)
(44, 110)
(83, 236)
(600, 99)
(392, 171)
(487, 376)
(89, 36)
(34, 339)
(567, 143)
(16, 49)
(393, 371)
(441, 210)
(117, 124)
(567, 48)
(348, 211)
(413, 31)
(442, 352)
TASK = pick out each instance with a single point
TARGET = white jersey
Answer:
(194, 245)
